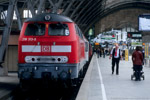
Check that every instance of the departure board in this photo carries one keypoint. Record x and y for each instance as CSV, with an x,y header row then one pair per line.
x,y
144,22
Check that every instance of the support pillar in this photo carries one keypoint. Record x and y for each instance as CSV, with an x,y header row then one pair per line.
x,y
40,6
18,17
5,36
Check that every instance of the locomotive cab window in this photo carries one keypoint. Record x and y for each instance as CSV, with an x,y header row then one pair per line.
x,y
58,29
35,29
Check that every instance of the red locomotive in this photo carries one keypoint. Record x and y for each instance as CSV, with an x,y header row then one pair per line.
x,y
51,46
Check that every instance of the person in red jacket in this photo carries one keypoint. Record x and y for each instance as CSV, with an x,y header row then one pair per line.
x,y
137,59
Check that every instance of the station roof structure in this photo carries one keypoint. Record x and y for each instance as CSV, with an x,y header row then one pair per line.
x,y
84,12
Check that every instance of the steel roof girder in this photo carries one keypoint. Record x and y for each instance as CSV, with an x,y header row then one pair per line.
x,y
35,3
18,18
54,10
76,9
39,10
92,13
51,2
89,11
30,7
93,17
82,10
96,14
68,8
1,8
96,17
110,7
55,5
7,29
59,3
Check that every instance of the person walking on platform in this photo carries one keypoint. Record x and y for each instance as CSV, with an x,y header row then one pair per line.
x,y
116,56
98,53
143,53
137,59
103,51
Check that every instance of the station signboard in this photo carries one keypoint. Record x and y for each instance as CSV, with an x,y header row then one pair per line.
x,y
134,35
107,38
136,43
144,22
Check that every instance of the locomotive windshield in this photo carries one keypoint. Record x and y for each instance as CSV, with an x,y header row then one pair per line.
x,y
58,29
35,29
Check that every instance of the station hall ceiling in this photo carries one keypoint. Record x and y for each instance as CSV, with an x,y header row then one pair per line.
x,y
84,12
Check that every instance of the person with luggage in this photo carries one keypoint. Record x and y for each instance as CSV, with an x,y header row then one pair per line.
x,y
137,59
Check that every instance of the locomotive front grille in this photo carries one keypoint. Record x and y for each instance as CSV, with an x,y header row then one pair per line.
x,y
46,59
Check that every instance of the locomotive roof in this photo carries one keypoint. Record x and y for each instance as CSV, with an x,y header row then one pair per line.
x,y
53,18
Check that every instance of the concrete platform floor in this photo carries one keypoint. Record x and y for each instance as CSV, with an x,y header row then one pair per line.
x,y
100,84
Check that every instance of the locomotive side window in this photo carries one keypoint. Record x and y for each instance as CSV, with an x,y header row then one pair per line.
x,y
86,46
58,29
35,29
79,32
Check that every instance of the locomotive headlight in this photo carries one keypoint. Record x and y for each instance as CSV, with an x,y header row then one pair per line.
x,y
65,59
62,59
28,59
66,32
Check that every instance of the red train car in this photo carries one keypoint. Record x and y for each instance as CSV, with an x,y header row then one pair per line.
x,y
51,46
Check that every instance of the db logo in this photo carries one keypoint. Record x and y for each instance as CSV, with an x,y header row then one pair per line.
x,y
45,48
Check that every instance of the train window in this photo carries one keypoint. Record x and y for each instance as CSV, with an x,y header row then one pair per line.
x,y
58,29
35,29
79,32
86,46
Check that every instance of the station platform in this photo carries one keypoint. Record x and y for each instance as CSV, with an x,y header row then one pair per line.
x,y
7,85
100,84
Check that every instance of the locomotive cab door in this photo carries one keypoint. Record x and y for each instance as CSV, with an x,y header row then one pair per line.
x,y
87,51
